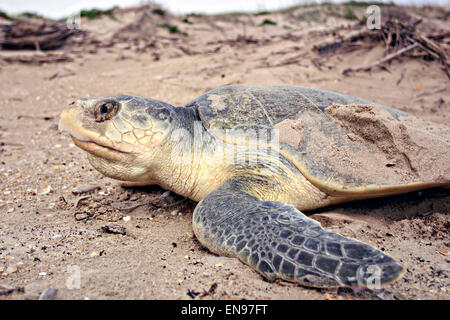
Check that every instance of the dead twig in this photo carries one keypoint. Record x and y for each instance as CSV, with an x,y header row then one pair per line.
x,y
317,63
7,289
170,205
402,75
381,61
132,208
86,189
439,88
77,202
114,228
37,59
437,105
46,118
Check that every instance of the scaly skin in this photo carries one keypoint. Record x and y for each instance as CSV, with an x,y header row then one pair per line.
x,y
248,194
187,160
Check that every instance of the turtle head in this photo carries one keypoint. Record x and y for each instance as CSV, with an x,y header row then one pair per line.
x,y
122,134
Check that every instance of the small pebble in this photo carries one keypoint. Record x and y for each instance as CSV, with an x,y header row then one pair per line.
x,y
46,191
11,269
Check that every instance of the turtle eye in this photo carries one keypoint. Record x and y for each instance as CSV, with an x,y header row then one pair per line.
x,y
106,110
103,109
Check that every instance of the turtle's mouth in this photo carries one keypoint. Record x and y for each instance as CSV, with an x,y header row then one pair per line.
x,y
88,140
97,149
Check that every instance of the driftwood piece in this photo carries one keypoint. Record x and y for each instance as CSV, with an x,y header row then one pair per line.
x,y
38,58
36,34
348,43
240,41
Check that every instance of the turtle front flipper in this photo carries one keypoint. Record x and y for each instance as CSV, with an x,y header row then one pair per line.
x,y
279,241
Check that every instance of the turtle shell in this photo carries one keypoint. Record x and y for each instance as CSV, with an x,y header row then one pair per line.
x,y
340,143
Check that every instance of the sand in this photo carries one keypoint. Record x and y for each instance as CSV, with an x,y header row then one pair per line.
x,y
392,151
50,237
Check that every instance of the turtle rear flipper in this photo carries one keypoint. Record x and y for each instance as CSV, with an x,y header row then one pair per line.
x,y
279,241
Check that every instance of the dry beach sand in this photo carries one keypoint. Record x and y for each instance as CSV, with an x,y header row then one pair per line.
x,y
137,243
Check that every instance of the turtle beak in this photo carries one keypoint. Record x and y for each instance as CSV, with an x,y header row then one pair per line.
x,y
70,121
78,125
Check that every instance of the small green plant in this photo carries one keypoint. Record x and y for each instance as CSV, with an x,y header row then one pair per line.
x,y
262,13
363,20
4,15
268,22
287,27
186,20
30,14
349,13
171,28
97,13
159,11
90,14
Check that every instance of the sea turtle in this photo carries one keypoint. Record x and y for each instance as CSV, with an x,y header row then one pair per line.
x,y
253,156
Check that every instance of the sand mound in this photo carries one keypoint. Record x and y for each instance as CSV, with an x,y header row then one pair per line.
x,y
402,149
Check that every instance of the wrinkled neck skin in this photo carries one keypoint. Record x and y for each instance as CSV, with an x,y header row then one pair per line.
x,y
181,161
192,162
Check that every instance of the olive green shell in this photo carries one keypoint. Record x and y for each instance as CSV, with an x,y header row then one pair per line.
x,y
327,153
